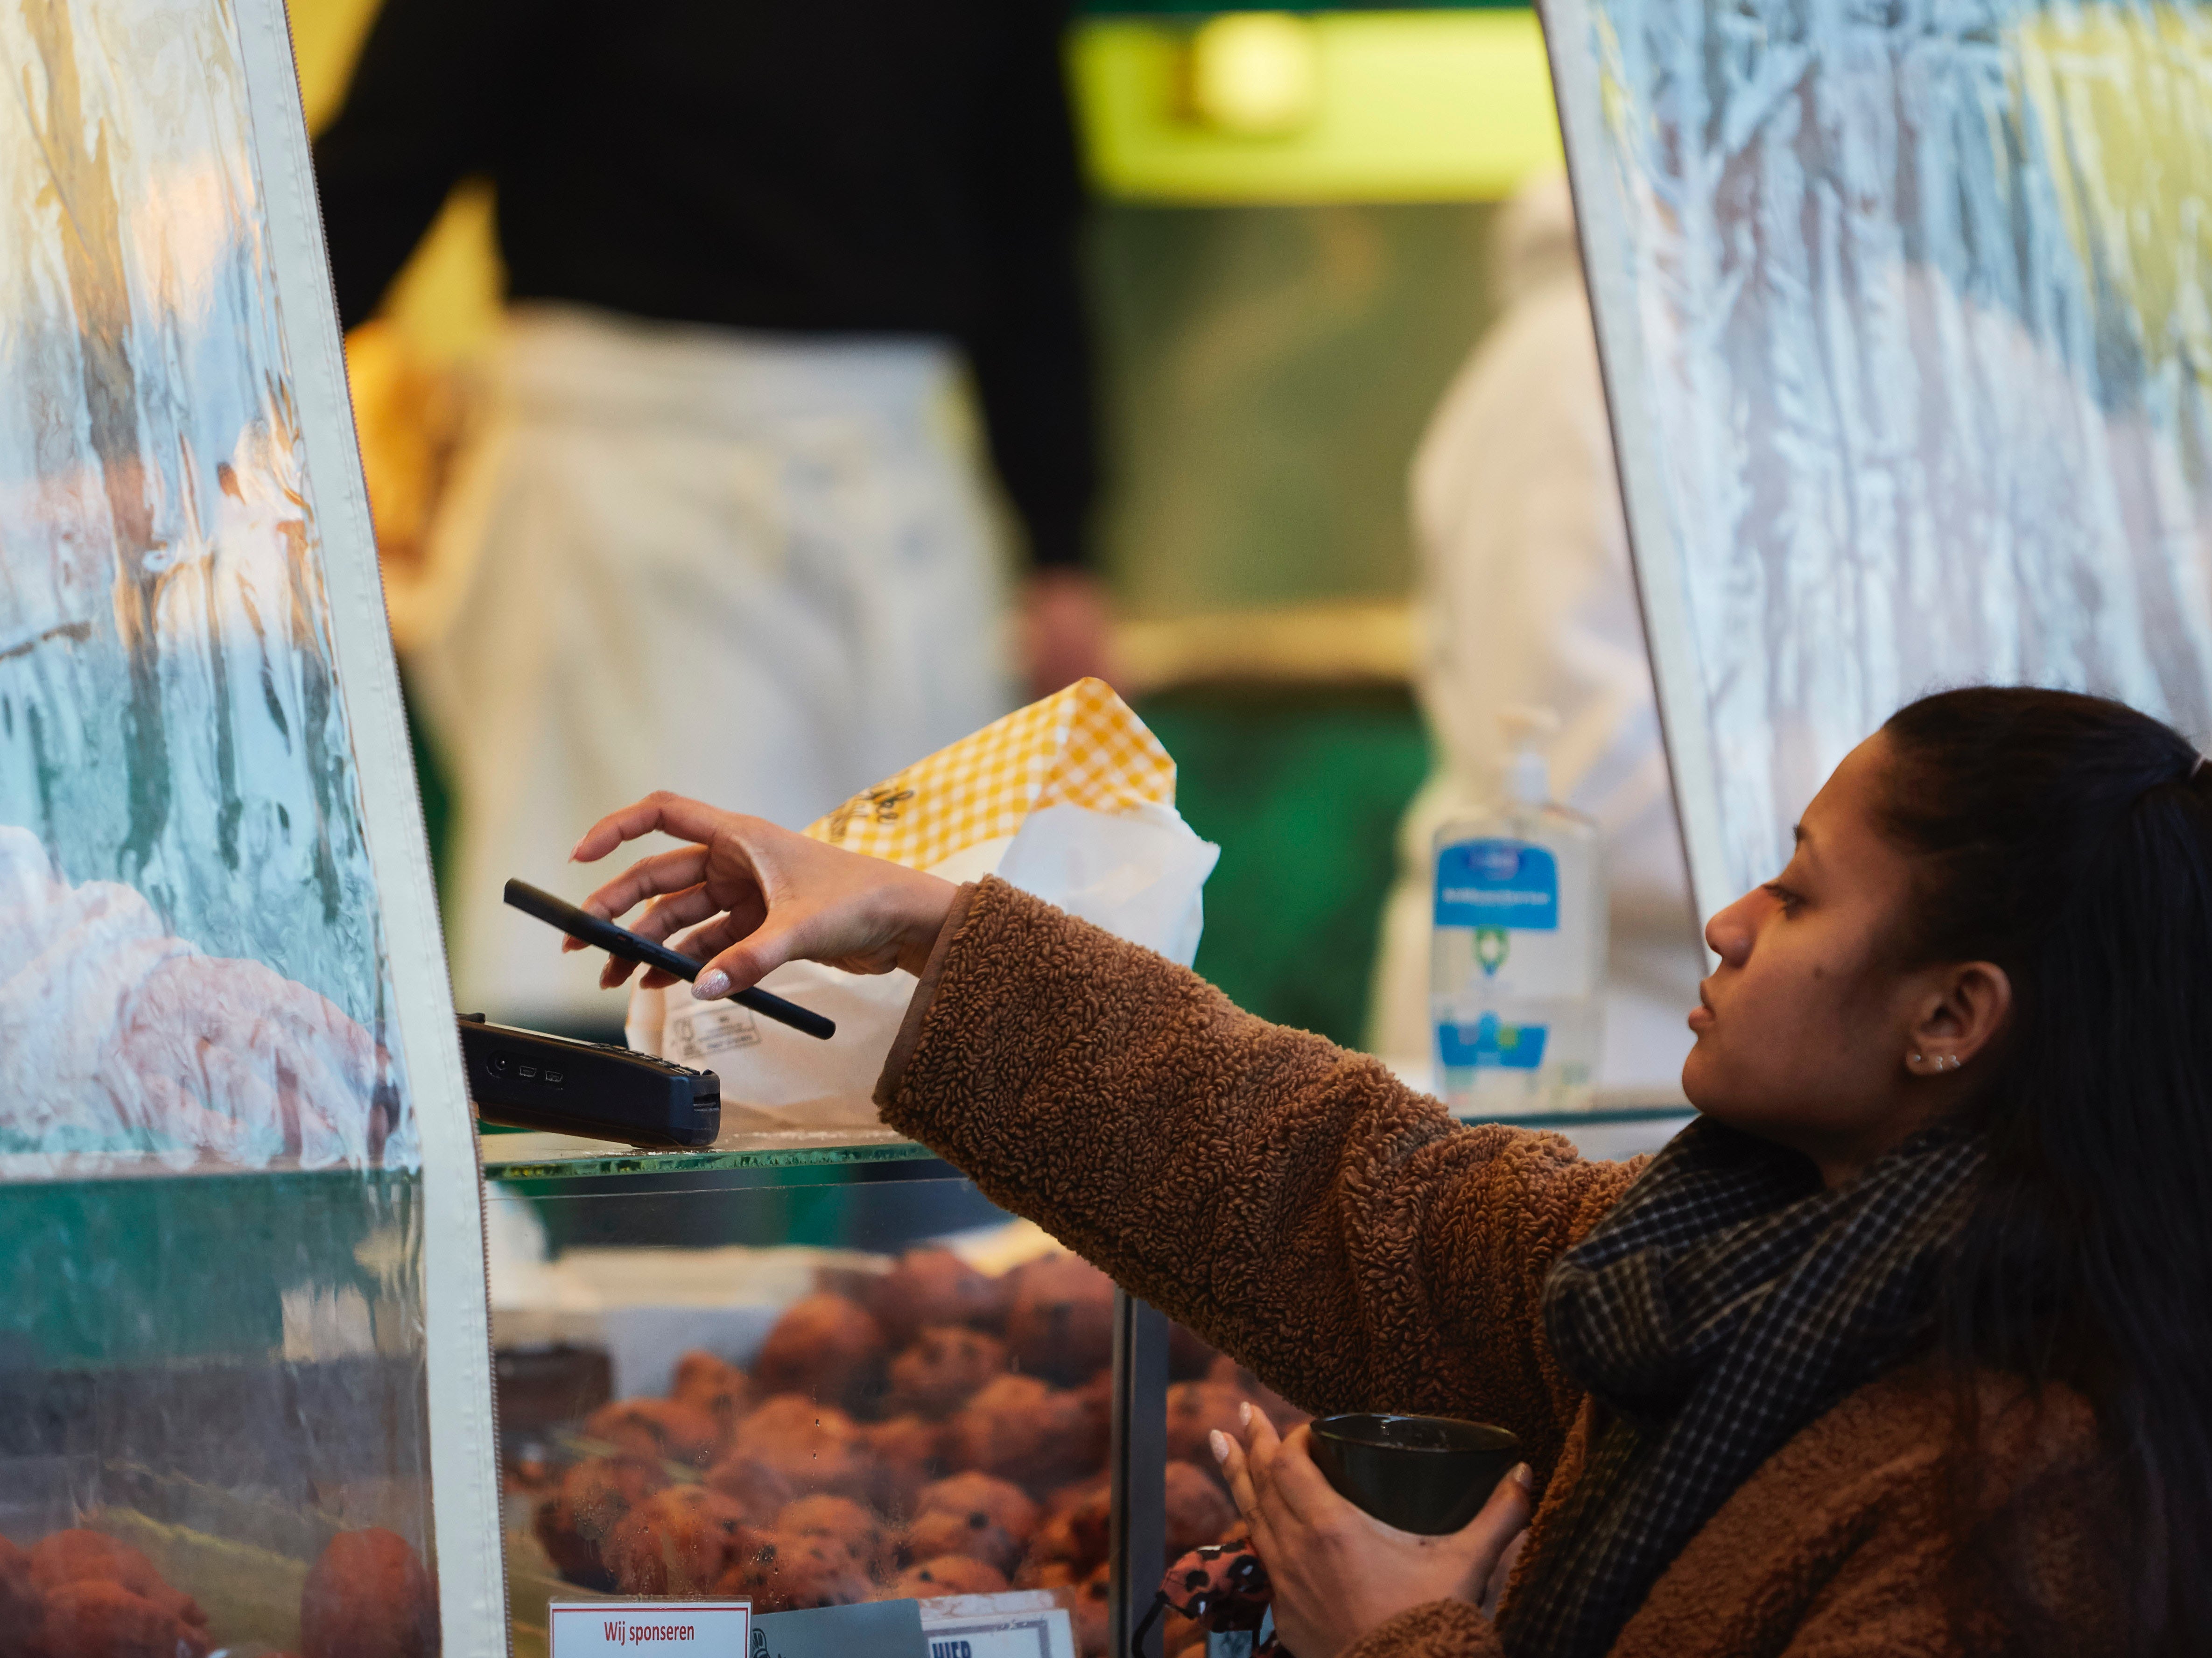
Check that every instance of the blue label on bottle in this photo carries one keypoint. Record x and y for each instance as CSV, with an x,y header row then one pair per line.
x,y
1488,1042
1505,884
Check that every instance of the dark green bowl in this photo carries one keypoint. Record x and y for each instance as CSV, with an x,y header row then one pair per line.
x,y
1429,1474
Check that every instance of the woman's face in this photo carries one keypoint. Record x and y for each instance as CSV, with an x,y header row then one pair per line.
x,y
1804,1028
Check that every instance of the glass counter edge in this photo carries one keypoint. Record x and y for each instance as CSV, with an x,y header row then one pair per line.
x,y
599,1164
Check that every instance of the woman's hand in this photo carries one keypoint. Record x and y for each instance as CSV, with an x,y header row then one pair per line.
x,y
757,897
1339,1573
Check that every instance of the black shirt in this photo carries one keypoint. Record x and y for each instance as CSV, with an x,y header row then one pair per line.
x,y
864,166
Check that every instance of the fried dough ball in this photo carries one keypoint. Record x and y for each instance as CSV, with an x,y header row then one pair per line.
x,y
933,1285
1066,1499
1047,1575
996,1501
1059,1320
785,1415
943,1367
971,1514
757,1486
1019,1429
908,1454
807,1448
850,1526
1073,1538
825,1348
595,1496
78,1555
1197,1510
99,1618
948,1573
929,1535
792,1573
368,1595
1086,1609
667,1429
714,1386
1069,1545
1196,1409
1091,1520
678,1541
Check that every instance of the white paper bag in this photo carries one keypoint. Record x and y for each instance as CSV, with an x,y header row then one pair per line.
x,y
1070,798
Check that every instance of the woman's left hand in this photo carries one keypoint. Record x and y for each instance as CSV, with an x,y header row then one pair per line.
x,y
1340,1573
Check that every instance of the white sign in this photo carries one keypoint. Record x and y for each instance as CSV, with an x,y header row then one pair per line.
x,y
708,1629
1044,1632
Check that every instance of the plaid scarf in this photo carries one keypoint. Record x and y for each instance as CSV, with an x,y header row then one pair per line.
x,y
1725,1303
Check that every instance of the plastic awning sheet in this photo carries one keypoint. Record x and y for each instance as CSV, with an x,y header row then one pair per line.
x,y
191,954
1904,320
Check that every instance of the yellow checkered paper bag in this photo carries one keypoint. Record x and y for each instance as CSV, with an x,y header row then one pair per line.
x,y
1080,747
1070,798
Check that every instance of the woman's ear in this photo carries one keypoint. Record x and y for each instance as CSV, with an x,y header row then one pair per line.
x,y
1968,1008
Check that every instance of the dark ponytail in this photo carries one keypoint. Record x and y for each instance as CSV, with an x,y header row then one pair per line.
x,y
2069,840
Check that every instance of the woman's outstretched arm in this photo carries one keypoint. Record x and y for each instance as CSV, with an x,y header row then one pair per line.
x,y
1290,1202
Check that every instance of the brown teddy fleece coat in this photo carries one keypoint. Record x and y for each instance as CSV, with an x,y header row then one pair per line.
x,y
1341,1235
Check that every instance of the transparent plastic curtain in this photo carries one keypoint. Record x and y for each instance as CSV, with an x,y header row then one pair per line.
x,y
1906,324
181,841
213,1308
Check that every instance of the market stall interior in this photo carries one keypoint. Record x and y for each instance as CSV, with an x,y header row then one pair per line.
x,y
293,1359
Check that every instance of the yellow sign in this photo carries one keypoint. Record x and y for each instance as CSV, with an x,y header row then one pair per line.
x,y
1343,107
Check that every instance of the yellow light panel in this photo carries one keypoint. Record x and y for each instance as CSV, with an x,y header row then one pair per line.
x,y
1404,107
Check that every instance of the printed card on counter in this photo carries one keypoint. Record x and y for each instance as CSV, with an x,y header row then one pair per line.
x,y
596,1629
1021,1624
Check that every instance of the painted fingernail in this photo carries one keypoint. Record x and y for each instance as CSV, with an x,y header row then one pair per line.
x,y
577,851
1524,1476
712,986
1244,1414
1219,1441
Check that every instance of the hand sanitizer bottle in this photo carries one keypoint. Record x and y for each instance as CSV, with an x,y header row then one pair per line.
x,y
1517,963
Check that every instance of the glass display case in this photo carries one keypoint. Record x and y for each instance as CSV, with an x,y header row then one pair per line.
x,y
818,1371
216,1417
822,1371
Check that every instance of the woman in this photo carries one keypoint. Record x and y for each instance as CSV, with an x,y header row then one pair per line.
x,y
1902,1347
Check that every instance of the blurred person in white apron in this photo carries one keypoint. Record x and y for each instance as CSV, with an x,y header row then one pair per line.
x,y
806,598
728,527
1527,597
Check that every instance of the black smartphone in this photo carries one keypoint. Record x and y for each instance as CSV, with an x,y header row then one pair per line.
x,y
621,941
